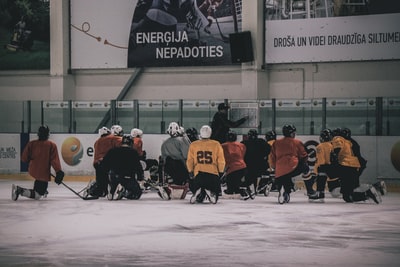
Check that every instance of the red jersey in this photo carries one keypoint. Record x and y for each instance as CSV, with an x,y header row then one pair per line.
x,y
234,156
103,145
286,154
138,145
41,156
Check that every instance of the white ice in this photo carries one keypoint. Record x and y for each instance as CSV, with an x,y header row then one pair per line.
x,y
63,230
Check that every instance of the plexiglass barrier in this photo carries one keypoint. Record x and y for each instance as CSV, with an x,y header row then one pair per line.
x,y
364,116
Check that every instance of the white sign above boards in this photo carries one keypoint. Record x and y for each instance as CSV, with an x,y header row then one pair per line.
x,y
239,110
354,38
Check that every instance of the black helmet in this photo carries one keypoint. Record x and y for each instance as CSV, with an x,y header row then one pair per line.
x,y
127,140
43,132
223,106
288,129
231,136
346,133
270,135
336,132
192,134
252,134
325,135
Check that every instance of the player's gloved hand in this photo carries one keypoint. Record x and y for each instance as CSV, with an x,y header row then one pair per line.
x,y
306,170
59,177
191,175
334,158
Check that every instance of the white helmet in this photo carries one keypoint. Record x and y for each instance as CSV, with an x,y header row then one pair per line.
x,y
205,132
135,132
173,129
181,131
104,130
140,133
117,130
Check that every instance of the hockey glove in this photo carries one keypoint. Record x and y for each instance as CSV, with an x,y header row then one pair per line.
x,y
334,157
191,175
59,177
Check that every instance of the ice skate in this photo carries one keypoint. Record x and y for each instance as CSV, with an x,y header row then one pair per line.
x,y
212,197
111,191
250,193
373,194
317,197
86,190
118,194
15,192
196,197
283,197
264,185
286,197
267,189
163,192
380,186
246,193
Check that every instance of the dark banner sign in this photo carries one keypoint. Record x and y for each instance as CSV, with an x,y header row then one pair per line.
x,y
152,32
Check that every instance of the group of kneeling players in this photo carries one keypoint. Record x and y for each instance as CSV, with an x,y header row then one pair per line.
x,y
193,161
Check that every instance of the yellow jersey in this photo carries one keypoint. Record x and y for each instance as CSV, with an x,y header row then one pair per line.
x,y
323,155
205,155
346,156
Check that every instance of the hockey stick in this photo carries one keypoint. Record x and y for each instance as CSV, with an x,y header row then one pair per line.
x,y
225,39
76,193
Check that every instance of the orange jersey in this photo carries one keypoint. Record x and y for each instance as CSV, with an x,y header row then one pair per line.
x,y
286,154
270,142
138,145
205,155
41,155
103,145
234,156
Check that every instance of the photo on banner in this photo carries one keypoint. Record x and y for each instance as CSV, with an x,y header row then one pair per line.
x,y
159,33
25,35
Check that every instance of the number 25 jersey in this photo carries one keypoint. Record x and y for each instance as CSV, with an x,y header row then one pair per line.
x,y
205,155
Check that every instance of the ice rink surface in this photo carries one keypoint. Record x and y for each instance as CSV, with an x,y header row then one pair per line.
x,y
63,230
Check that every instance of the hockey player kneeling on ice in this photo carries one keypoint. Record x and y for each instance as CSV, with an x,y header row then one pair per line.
x,y
234,153
175,175
174,154
124,168
103,144
205,163
256,157
289,159
41,155
348,167
322,167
